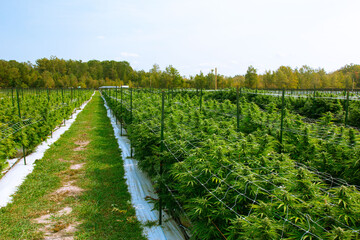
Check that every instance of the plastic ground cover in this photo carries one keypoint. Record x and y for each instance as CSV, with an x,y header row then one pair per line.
x,y
140,186
17,174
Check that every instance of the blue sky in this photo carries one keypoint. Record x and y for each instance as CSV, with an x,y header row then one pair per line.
x,y
191,35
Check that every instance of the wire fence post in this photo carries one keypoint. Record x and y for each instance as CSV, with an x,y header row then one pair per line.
x,y
18,103
121,111
347,108
237,110
282,117
161,150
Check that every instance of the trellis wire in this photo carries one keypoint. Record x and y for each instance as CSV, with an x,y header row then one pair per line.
x,y
325,176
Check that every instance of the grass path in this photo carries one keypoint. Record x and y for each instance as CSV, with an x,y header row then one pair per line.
x,y
78,190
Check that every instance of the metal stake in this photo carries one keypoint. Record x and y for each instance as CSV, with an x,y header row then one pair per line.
x,y
161,150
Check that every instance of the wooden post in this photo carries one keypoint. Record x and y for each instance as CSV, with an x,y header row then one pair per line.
x,y
215,78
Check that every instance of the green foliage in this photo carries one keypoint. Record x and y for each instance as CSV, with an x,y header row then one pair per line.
x,y
41,111
251,77
57,73
305,106
243,184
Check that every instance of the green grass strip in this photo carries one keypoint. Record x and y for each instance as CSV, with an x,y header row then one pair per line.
x,y
82,171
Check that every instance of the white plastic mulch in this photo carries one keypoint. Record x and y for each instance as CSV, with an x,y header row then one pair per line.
x,y
17,174
140,186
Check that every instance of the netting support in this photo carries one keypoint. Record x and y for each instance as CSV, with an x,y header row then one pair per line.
x,y
121,111
12,96
131,118
237,110
116,104
62,95
282,117
347,108
18,103
161,150
200,99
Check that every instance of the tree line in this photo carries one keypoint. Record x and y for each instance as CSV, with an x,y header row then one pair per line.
x,y
60,73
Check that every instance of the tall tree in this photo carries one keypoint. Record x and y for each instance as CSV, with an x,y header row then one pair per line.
x,y
251,77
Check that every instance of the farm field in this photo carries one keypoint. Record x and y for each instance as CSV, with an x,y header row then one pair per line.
x,y
77,190
28,116
312,104
180,120
236,170
225,164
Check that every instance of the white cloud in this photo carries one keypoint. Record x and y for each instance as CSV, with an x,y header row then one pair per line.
x,y
127,54
100,37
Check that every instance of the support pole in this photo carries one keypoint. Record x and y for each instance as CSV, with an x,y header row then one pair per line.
x,y
121,111
12,97
282,118
347,108
200,99
71,93
237,110
161,150
131,118
62,94
131,106
116,104
48,93
215,78
18,103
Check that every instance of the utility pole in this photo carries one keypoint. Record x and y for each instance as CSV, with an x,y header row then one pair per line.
x,y
215,78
